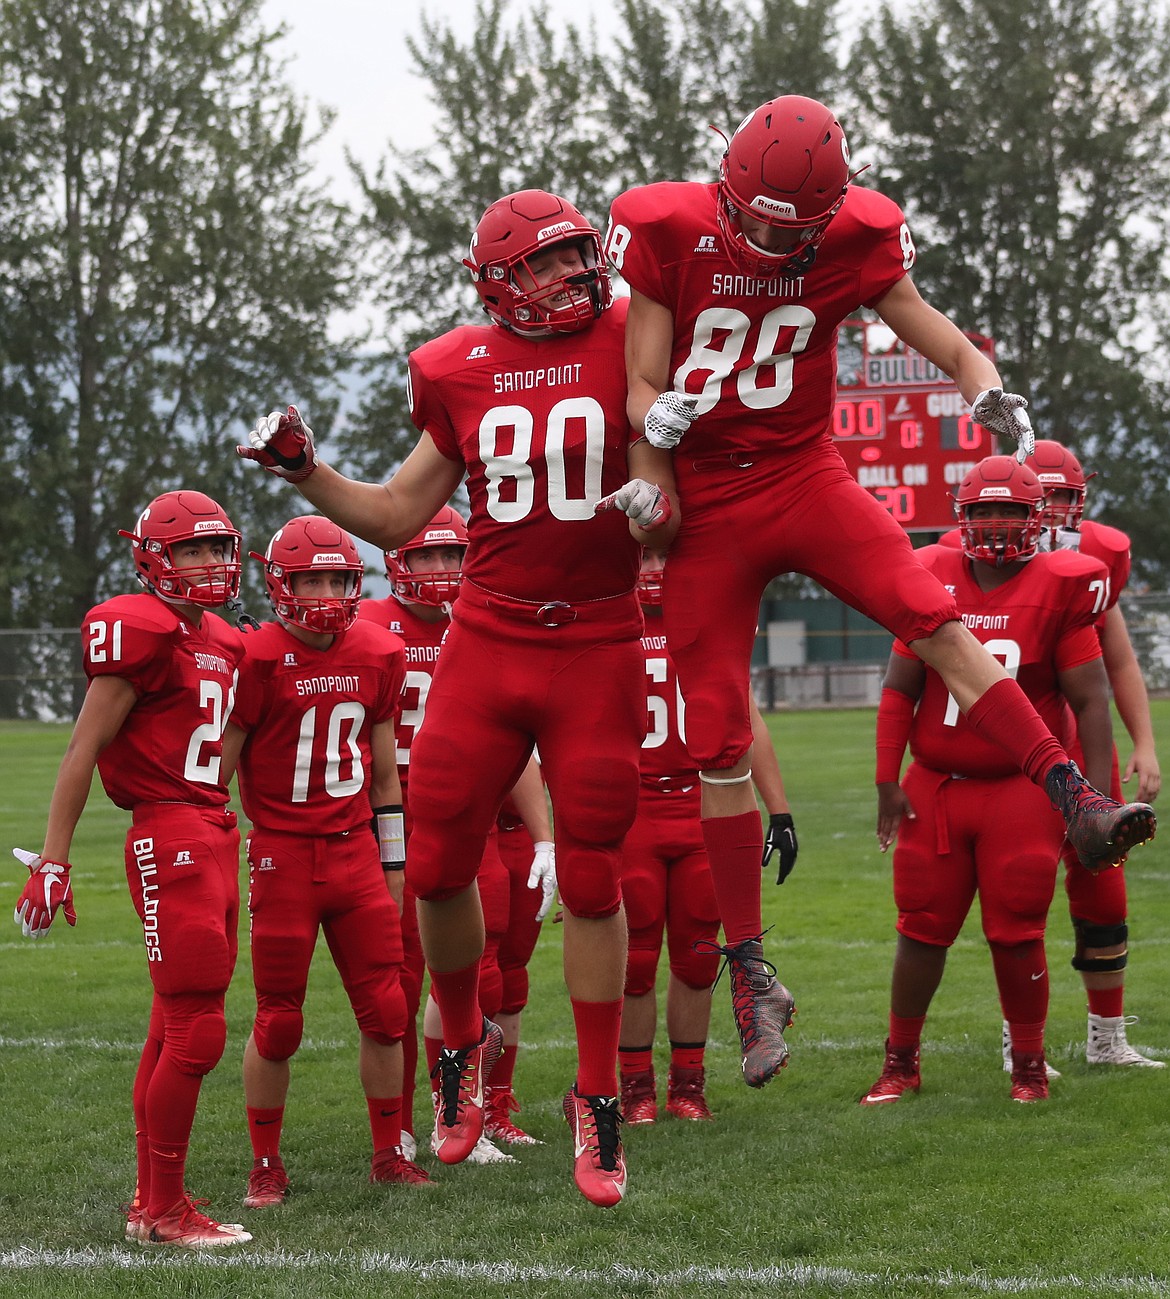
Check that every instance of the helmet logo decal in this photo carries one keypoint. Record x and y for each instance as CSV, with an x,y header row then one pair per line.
x,y
562,227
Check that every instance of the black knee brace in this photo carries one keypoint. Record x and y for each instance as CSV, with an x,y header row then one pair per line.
x,y
1089,936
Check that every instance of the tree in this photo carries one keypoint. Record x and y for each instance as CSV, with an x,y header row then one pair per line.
x,y
164,268
1028,141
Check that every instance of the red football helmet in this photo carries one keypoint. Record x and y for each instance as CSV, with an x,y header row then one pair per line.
x,y
311,543
786,165
1002,539
519,227
436,588
650,582
1059,470
182,516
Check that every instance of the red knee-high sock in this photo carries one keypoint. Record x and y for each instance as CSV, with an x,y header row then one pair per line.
x,y
1004,716
170,1113
735,848
906,1030
1021,974
456,992
599,1024
151,1050
1109,1003
264,1128
409,1070
505,1067
385,1121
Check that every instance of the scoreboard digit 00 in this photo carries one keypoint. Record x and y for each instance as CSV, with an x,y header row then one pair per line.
x,y
902,426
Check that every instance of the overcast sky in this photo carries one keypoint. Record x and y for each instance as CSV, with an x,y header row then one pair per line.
x,y
351,55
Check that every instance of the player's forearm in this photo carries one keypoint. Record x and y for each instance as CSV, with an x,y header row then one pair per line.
x,y
1095,731
365,509
531,804
70,794
1133,703
766,775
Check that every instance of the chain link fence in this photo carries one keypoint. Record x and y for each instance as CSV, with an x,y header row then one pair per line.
x,y
41,677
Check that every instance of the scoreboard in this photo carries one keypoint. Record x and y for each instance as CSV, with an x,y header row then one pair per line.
x,y
902,426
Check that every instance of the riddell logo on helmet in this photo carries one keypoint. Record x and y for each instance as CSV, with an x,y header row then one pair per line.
x,y
434,535
994,491
330,561
209,525
1052,478
562,227
772,207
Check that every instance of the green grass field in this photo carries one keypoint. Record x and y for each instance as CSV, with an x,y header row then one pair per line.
x,y
794,1190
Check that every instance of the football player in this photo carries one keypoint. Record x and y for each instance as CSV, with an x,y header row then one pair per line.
x,y
312,740
425,573
162,669
965,819
1097,902
666,885
543,647
737,290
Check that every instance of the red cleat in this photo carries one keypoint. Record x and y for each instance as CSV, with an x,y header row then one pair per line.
x,y
639,1098
899,1075
459,1100
685,1097
391,1167
500,1104
184,1226
599,1166
267,1183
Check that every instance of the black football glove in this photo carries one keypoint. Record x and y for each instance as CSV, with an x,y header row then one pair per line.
x,y
781,838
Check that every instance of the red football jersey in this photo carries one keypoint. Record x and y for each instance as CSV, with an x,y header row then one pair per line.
x,y
305,766
1097,540
170,746
760,354
541,426
422,641
664,750
1038,624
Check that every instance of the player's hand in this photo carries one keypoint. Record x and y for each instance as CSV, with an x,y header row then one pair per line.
x,y
1143,763
781,838
48,888
1006,413
283,444
643,503
669,418
893,805
543,875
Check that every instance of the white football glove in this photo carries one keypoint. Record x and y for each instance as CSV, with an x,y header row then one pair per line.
x,y
645,504
283,444
669,418
1005,413
48,889
543,875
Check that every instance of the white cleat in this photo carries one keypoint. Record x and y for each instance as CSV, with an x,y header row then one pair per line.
x,y
483,1152
1107,1044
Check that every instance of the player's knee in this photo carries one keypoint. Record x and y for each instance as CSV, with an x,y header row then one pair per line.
x,y
514,990
277,1031
695,970
589,884
196,1043
381,1012
603,805
1091,937
641,969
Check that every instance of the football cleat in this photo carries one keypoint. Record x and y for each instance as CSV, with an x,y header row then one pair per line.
x,y
1107,1044
599,1166
136,1231
685,1097
639,1098
483,1152
499,1105
763,1009
267,1183
459,1100
1007,1054
1101,829
409,1144
184,1226
390,1167
1029,1079
899,1075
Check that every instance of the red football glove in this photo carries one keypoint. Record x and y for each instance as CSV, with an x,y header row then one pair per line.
x,y
47,889
282,444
